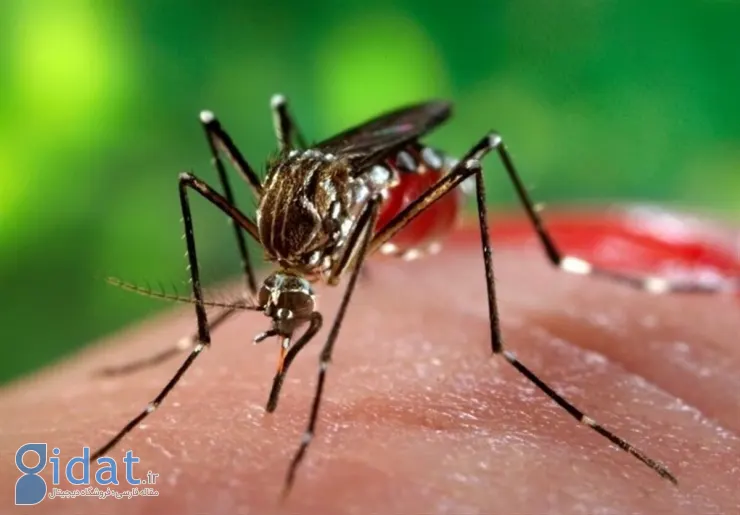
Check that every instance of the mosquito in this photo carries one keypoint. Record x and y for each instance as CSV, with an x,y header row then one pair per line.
x,y
324,208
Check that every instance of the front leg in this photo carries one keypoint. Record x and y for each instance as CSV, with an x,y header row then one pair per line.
x,y
203,338
218,139
358,245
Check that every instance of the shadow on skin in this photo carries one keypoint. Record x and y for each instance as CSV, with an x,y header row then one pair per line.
x,y
417,418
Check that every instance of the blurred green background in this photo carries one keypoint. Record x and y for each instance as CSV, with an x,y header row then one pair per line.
x,y
99,103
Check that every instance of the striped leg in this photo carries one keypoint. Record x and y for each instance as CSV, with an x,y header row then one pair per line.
x,y
357,249
286,130
187,181
217,139
470,166
187,343
575,265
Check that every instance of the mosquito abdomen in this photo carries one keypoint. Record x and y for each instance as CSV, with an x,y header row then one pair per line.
x,y
418,168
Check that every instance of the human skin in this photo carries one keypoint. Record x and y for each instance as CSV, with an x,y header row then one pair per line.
x,y
418,417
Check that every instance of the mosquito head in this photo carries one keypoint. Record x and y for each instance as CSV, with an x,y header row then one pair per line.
x,y
288,300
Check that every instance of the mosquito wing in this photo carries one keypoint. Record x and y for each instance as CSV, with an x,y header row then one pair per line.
x,y
374,139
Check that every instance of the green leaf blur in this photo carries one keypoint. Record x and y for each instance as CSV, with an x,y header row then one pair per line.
x,y
599,101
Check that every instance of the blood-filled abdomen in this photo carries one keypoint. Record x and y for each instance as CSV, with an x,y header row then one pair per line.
x,y
418,168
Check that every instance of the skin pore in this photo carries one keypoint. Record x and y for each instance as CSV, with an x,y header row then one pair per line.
x,y
417,416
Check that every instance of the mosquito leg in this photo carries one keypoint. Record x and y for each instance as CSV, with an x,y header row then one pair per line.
x,y
214,134
186,181
220,139
349,256
203,336
186,343
359,243
575,265
277,383
189,342
471,166
152,406
562,261
191,181
216,137
286,130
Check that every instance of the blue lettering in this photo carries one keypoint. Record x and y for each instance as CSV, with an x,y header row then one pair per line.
x,y
83,460
30,488
129,459
55,465
110,468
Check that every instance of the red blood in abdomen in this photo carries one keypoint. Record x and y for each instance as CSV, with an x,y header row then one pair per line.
x,y
429,226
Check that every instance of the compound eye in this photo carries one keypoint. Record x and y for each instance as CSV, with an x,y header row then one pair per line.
x,y
263,296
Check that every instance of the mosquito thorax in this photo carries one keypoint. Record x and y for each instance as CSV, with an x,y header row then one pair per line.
x,y
310,202
287,299
305,211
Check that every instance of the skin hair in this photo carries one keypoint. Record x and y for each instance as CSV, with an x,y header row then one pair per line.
x,y
417,417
